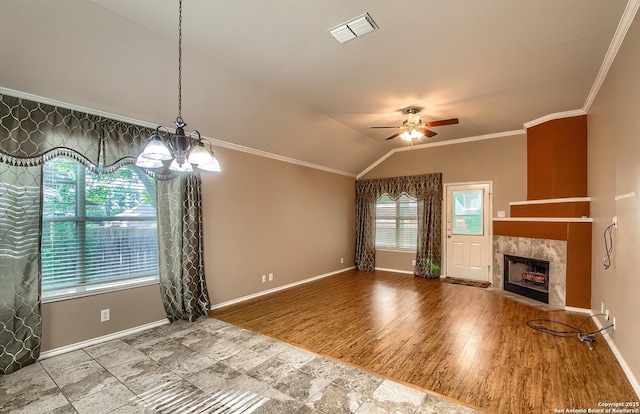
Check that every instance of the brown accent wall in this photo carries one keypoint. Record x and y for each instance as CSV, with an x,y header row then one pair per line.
x,y
553,230
579,265
557,159
571,209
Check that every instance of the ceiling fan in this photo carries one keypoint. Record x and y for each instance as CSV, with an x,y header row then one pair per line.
x,y
414,128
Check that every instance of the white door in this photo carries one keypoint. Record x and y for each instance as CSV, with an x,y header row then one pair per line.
x,y
468,231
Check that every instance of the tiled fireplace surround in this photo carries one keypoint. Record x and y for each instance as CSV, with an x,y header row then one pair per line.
x,y
553,251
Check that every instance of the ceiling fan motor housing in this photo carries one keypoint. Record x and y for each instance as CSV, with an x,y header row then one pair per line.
x,y
413,119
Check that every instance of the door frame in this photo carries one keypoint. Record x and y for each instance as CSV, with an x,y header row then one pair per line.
x,y
445,210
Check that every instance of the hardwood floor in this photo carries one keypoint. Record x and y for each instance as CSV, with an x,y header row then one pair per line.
x,y
463,342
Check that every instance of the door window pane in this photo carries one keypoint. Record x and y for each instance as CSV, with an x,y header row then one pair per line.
x,y
467,212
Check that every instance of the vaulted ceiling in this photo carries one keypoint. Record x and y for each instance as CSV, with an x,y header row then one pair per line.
x,y
267,74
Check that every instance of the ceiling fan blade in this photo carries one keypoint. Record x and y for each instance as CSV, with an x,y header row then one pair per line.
x,y
427,132
451,121
378,127
393,136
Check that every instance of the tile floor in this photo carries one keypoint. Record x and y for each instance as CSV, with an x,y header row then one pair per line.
x,y
205,367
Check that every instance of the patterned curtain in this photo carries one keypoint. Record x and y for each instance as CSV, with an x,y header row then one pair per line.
x,y
427,189
32,133
182,279
20,324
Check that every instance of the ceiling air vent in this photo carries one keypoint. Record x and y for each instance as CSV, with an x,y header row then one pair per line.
x,y
353,28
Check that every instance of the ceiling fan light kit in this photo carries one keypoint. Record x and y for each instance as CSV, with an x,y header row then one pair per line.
x,y
414,128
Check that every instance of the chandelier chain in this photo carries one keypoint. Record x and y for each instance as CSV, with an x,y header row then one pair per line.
x,y
180,62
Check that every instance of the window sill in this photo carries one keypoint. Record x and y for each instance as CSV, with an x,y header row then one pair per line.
x,y
101,289
396,250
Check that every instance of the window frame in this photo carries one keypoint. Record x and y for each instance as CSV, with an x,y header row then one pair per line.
x,y
81,220
398,218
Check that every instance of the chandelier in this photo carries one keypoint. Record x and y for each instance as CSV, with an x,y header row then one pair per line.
x,y
184,149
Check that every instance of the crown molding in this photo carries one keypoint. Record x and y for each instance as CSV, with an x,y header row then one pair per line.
x,y
213,141
621,31
441,144
556,115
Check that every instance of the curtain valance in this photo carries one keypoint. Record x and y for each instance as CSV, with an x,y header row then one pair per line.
x,y
418,186
32,133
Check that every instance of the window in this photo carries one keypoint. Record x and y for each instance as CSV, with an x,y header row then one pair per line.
x,y
98,230
396,222
467,212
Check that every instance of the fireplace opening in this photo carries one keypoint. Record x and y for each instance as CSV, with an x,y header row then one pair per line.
x,y
527,277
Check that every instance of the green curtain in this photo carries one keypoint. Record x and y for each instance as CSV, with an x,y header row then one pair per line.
x,y
32,133
182,280
20,318
427,189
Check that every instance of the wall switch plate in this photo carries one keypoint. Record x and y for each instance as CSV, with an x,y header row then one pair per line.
x,y
264,278
270,277
105,315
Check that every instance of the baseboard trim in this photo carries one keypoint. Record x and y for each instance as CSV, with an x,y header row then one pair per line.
x,y
383,269
100,339
632,379
277,289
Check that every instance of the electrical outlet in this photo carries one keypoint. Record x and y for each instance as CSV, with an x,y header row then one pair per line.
x,y
615,222
413,262
264,278
601,307
342,260
104,315
614,323
606,314
270,277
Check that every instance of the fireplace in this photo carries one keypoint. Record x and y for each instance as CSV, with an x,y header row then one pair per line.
x,y
527,277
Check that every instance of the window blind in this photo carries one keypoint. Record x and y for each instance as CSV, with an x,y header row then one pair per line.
x,y
98,230
396,222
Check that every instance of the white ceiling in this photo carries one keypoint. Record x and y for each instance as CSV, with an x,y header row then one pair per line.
x,y
266,74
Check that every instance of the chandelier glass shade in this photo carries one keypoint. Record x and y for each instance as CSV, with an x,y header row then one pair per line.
x,y
184,150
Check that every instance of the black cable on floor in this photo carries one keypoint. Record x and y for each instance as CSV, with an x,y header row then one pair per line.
x,y
544,326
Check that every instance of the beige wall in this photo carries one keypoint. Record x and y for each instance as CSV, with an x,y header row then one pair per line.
x,y
614,170
71,321
501,160
264,216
